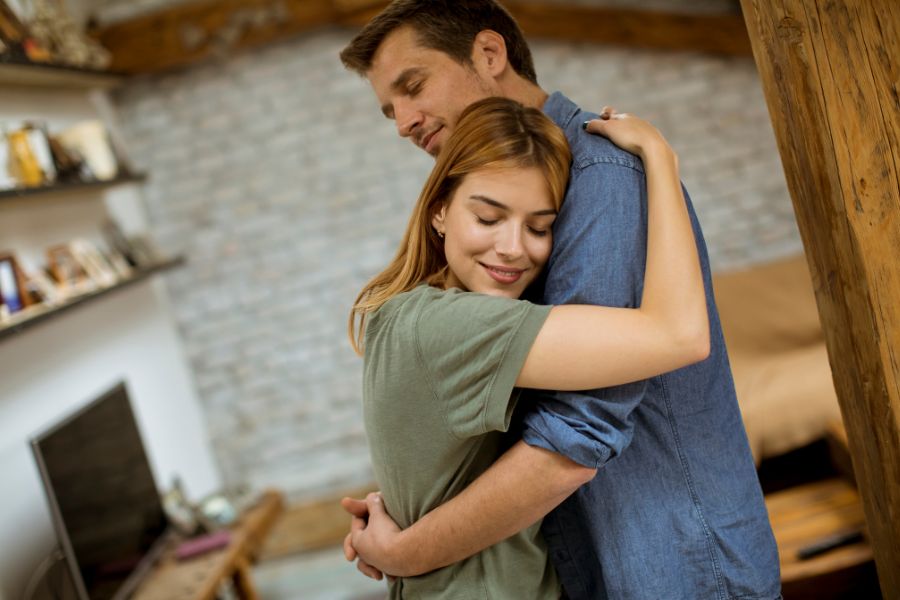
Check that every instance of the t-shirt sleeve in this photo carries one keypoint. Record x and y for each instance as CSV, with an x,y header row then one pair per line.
x,y
472,348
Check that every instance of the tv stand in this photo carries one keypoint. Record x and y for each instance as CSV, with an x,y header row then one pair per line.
x,y
199,578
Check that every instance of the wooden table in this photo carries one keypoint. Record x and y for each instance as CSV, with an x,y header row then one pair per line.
x,y
199,578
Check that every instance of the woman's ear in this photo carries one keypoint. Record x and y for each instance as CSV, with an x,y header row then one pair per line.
x,y
437,219
489,52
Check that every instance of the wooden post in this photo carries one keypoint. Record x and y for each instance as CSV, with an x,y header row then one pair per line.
x,y
831,74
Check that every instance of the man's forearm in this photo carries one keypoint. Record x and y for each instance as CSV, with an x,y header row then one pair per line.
x,y
521,487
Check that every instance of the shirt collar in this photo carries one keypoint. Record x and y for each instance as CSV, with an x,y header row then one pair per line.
x,y
560,109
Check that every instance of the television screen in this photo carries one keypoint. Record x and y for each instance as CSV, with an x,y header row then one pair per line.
x,y
106,507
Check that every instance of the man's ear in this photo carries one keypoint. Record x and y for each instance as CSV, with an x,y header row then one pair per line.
x,y
437,219
489,52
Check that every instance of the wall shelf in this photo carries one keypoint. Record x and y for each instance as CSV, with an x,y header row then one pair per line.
x,y
38,75
28,317
56,188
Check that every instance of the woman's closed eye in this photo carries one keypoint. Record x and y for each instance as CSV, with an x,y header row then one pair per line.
x,y
535,231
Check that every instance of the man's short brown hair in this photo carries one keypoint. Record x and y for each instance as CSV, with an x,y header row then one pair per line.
x,y
449,26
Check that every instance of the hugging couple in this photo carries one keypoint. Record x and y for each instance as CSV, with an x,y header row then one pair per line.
x,y
547,395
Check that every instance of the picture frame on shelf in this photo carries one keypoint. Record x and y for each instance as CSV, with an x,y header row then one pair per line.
x,y
67,271
13,286
43,289
118,263
93,262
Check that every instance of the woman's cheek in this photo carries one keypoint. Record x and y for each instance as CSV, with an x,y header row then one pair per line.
x,y
546,247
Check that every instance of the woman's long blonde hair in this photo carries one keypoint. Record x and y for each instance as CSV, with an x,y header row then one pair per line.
x,y
491,133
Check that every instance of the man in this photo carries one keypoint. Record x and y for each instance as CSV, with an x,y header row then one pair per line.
x,y
670,506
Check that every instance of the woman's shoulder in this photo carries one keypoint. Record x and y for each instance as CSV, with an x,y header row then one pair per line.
x,y
402,309
413,299
425,295
434,306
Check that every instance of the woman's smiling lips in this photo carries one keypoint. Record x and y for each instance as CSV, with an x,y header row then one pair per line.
x,y
505,275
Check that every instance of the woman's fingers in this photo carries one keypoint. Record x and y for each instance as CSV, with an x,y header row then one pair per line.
x,y
595,126
628,132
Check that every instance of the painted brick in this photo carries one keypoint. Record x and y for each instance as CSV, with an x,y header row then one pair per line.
x,y
274,171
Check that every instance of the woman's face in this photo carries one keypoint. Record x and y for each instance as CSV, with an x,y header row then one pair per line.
x,y
497,230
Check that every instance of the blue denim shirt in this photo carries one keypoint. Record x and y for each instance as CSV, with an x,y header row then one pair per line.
x,y
675,511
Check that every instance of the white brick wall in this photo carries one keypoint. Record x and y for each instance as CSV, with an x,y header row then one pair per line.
x,y
274,172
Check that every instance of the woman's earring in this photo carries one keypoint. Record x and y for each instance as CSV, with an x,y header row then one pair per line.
x,y
440,234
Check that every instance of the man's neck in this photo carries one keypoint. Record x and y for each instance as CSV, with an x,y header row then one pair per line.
x,y
524,92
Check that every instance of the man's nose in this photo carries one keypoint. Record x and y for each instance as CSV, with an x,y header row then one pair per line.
x,y
408,119
509,241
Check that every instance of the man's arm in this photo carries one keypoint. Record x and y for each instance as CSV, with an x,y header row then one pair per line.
x,y
521,487
598,258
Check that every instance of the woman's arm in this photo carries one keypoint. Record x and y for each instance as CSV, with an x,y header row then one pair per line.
x,y
587,347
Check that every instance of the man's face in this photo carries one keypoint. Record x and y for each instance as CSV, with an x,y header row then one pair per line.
x,y
423,90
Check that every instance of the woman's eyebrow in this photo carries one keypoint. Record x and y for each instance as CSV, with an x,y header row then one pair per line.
x,y
501,206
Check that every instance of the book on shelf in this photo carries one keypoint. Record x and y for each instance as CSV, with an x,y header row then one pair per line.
x,y
31,156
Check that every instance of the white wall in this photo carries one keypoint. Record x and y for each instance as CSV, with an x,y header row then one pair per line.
x,y
50,370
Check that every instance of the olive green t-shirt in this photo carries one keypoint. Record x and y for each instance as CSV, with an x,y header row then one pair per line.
x,y
438,391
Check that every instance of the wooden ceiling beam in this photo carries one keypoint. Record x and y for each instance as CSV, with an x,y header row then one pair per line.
x,y
184,35
717,34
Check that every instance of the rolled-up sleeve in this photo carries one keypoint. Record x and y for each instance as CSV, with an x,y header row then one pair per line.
x,y
598,258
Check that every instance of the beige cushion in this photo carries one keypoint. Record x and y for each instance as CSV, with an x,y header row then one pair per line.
x,y
778,356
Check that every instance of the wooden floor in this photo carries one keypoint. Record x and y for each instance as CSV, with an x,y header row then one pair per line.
x,y
822,504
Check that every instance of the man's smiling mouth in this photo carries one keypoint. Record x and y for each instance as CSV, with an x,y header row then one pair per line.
x,y
425,143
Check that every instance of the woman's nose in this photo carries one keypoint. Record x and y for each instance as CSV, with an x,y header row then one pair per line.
x,y
509,241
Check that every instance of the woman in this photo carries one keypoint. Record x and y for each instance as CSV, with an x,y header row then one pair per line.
x,y
447,342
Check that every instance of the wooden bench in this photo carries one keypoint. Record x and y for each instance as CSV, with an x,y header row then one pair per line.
x,y
199,578
805,515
